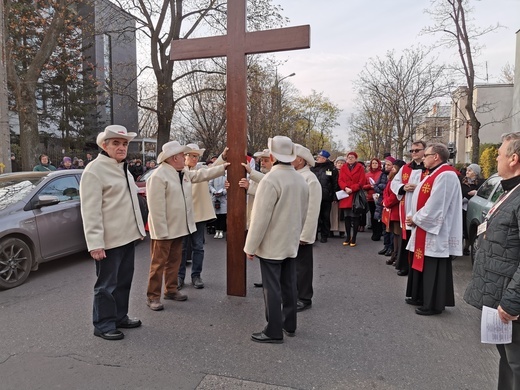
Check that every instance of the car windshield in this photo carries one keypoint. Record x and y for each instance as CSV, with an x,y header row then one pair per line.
x,y
14,189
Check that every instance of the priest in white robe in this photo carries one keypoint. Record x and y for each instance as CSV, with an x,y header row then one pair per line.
x,y
436,221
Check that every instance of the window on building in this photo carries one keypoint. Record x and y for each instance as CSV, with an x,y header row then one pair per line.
x,y
107,67
437,132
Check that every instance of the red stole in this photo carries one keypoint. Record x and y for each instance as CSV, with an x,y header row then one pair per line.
x,y
405,177
420,234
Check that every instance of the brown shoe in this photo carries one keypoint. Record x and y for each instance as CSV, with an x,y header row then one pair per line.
x,y
175,296
155,304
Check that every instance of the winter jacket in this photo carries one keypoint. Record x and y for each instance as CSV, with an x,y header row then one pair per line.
x,y
379,189
496,272
327,175
352,178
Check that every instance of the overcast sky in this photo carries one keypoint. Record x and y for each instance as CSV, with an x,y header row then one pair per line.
x,y
345,34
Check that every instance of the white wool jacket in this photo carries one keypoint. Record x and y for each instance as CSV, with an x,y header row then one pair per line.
x,y
310,227
170,201
279,213
109,208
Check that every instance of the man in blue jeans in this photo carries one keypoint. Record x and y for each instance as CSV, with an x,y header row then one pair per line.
x,y
203,212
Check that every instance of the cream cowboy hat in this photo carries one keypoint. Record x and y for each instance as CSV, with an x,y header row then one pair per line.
x,y
282,148
114,131
171,149
194,148
263,153
303,152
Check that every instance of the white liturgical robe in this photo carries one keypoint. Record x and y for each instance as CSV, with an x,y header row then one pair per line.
x,y
440,218
397,183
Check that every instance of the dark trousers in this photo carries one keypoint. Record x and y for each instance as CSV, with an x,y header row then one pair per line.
x,y
403,259
304,272
279,281
351,225
324,219
509,366
220,223
377,226
112,289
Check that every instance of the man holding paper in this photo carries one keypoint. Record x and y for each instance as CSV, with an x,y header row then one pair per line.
x,y
496,272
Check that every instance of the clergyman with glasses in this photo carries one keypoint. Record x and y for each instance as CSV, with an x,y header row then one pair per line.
x,y
403,186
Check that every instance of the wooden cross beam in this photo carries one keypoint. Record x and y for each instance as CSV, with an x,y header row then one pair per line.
x,y
235,46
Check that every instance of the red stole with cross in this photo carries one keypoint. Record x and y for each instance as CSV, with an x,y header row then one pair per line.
x,y
405,177
420,234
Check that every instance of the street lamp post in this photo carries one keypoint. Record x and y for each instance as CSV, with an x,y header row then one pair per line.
x,y
278,89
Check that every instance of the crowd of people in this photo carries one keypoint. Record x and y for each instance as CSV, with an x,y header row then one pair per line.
x,y
294,199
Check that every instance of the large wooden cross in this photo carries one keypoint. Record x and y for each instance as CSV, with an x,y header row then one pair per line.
x,y
236,45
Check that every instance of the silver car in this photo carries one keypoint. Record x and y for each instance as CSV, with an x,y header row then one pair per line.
x,y
478,207
40,220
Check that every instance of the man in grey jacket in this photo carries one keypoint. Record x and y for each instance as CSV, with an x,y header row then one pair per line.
x,y
496,272
277,220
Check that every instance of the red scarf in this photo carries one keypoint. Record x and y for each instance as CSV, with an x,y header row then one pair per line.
x,y
405,177
420,234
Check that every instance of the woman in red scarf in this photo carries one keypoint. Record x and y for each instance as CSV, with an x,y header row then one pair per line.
x,y
351,179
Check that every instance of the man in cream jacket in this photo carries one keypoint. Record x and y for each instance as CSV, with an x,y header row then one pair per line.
x,y
171,218
305,259
112,222
277,220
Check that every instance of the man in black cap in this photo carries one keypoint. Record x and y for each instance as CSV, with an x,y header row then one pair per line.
x,y
328,177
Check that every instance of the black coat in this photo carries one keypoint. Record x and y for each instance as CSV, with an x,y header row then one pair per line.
x,y
327,175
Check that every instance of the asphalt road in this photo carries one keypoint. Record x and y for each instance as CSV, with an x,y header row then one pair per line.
x,y
359,333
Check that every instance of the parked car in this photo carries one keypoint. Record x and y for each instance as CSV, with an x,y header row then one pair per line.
x,y
141,182
40,220
478,207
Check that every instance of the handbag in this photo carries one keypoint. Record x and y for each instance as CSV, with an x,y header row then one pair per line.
x,y
360,204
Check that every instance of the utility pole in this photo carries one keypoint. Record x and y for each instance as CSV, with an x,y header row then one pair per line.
x,y
5,139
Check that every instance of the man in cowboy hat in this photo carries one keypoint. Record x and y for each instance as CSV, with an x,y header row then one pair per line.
x,y
112,223
203,211
305,260
277,221
171,218
251,184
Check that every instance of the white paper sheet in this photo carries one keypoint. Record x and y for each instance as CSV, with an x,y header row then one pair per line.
x,y
492,330
341,194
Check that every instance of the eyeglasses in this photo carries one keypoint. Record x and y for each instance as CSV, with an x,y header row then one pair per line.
x,y
429,154
415,150
192,155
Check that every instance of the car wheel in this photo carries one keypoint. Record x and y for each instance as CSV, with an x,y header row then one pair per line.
x,y
15,262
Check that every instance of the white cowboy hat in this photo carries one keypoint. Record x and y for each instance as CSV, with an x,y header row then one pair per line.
x,y
282,148
263,153
194,148
171,149
303,152
114,131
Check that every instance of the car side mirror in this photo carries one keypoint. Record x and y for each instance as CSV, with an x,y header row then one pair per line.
x,y
46,200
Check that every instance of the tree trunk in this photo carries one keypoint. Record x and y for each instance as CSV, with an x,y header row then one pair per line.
x,y
28,117
165,108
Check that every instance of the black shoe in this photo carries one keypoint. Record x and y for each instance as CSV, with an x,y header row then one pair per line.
x,y
375,238
402,273
180,284
110,335
301,306
413,302
289,334
382,251
129,323
197,282
423,311
466,252
323,239
388,253
258,284
341,234
261,337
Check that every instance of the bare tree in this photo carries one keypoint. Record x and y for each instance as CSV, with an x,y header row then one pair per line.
x,y
401,87
452,21
26,57
508,74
